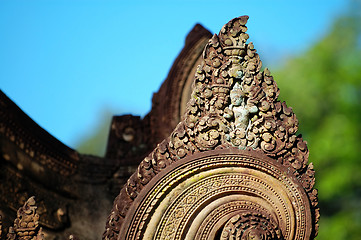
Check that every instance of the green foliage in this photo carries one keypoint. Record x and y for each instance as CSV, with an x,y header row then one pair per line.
x,y
95,143
323,86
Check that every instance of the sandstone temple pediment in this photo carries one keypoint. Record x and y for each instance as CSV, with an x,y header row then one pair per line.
x,y
217,157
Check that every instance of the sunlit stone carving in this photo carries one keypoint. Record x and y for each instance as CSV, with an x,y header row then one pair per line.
x,y
232,168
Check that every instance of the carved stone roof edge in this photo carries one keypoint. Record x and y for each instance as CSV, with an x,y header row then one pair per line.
x,y
166,102
35,130
40,146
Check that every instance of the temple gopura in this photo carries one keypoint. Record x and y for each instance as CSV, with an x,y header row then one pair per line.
x,y
217,157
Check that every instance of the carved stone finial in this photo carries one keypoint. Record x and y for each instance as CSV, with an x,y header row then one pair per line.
x,y
26,225
234,106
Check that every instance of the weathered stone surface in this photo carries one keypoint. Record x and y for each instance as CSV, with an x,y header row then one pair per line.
x,y
232,166
203,195
75,191
254,121
26,225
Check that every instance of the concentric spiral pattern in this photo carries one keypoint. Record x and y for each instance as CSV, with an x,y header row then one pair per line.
x,y
189,188
221,194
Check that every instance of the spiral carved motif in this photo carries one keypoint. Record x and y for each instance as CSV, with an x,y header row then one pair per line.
x,y
200,197
234,105
238,227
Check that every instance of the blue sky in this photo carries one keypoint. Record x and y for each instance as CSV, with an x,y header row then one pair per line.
x,y
65,62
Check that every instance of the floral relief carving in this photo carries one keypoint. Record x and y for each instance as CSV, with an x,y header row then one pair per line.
x,y
250,226
233,105
195,197
26,225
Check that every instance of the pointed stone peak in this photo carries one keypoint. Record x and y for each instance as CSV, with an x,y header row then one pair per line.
x,y
234,105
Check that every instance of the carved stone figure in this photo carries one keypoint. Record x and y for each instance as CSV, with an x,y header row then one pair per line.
x,y
238,109
232,168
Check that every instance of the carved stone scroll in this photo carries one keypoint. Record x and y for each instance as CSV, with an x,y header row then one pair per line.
x,y
261,186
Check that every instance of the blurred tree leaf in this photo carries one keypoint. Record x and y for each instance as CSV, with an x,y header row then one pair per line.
x,y
95,143
323,85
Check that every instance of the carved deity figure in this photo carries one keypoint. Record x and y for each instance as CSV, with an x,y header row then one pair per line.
x,y
238,109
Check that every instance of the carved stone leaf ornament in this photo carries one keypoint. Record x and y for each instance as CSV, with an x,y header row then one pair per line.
x,y
26,225
233,168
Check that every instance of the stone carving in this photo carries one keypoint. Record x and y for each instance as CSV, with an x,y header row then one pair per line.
x,y
238,228
26,225
256,122
232,168
65,182
33,144
238,111
168,105
195,197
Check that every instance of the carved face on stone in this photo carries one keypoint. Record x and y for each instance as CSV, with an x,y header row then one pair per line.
x,y
236,98
201,187
237,95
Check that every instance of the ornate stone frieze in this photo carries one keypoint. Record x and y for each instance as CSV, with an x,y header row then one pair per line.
x,y
50,206
233,106
35,143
